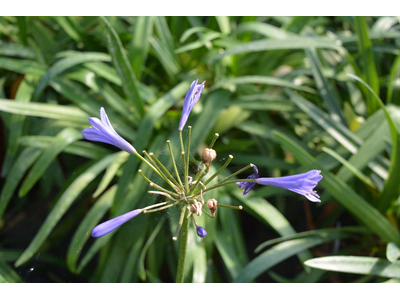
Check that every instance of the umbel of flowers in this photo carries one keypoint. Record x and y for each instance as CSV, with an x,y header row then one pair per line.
x,y
190,193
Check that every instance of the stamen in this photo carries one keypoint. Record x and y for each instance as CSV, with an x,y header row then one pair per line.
x,y
230,206
216,135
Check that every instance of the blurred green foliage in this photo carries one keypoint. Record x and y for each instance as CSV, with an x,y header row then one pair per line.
x,y
279,94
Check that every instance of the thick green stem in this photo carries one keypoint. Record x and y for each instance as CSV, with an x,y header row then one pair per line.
x,y
180,276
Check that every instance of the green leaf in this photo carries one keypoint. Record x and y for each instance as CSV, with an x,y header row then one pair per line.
x,y
110,173
62,140
24,161
22,66
223,23
367,55
262,80
120,60
63,204
325,91
228,254
84,149
139,47
334,233
7,274
357,265
392,252
350,167
393,84
65,64
141,269
275,255
349,199
290,43
17,122
82,234
52,111
391,189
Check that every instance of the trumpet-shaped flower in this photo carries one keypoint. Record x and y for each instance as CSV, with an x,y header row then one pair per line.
x,y
102,131
248,186
302,184
110,225
191,98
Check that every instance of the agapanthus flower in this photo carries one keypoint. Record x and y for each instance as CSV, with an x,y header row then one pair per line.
x,y
302,184
102,131
110,225
191,98
201,232
248,186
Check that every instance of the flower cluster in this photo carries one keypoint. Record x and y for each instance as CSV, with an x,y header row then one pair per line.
x,y
189,193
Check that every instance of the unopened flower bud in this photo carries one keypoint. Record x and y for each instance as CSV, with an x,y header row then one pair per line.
x,y
212,206
208,156
201,232
196,208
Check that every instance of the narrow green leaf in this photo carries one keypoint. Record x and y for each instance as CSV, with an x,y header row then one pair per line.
x,y
262,80
63,203
7,274
391,189
228,254
123,66
393,89
275,255
325,91
349,199
357,265
91,219
141,269
349,166
65,64
290,43
24,161
139,47
223,23
110,173
52,111
367,55
62,140
22,66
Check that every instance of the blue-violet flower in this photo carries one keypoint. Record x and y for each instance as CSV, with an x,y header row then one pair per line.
x,y
110,225
248,186
102,131
191,98
302,184
201,232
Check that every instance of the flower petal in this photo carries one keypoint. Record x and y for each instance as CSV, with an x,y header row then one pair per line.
x,y
110,225
190,100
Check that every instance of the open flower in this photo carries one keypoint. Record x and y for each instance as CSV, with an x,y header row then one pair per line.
x,y
302,184
191,98
248,186
110,225
102,131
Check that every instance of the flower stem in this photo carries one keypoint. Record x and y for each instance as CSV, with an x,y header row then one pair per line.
x,y
219,171
180,276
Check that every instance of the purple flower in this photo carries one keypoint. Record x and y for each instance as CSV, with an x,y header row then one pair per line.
x,y
110,225
248,186
192,96
302,184
201,232
102,131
